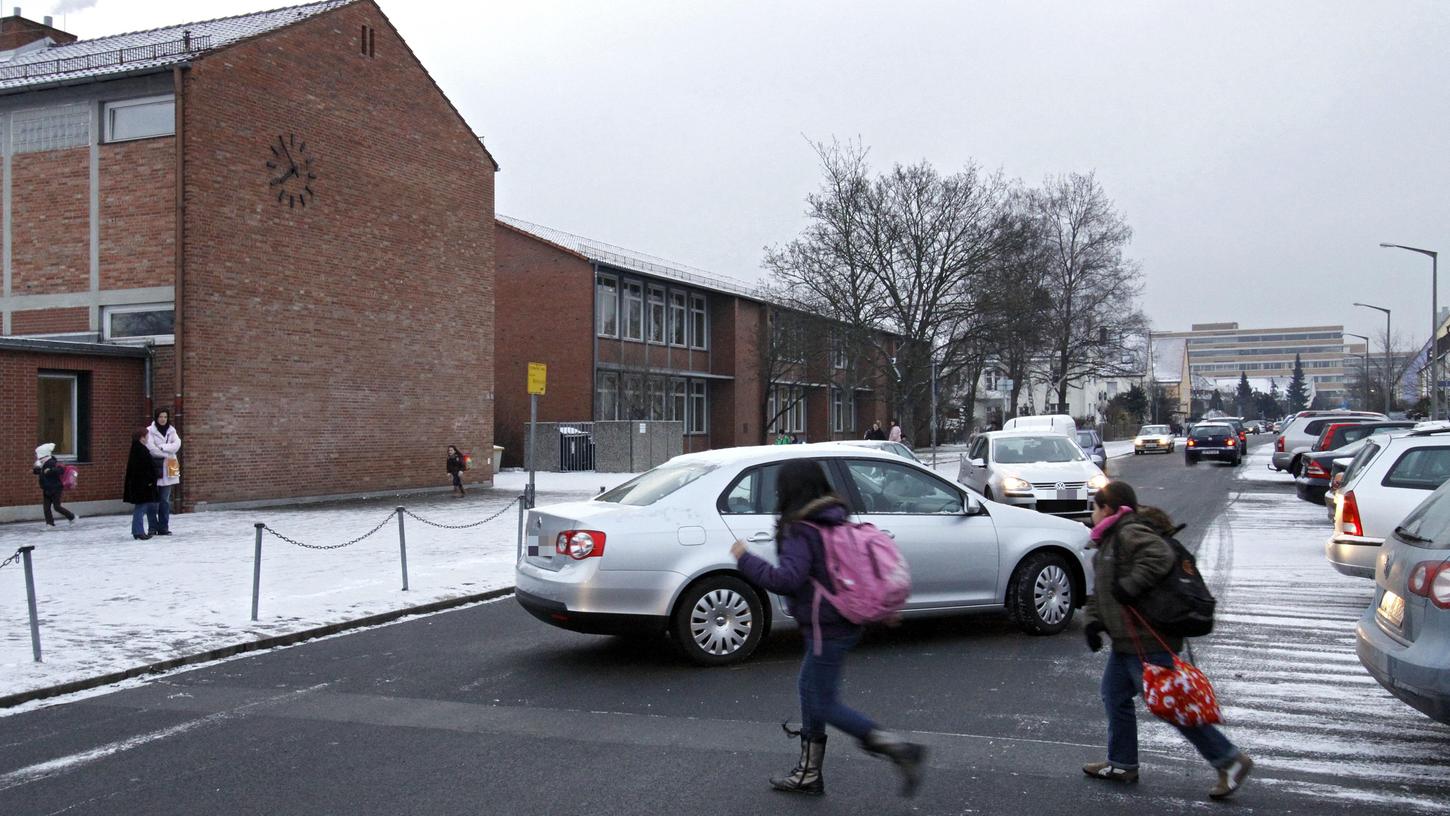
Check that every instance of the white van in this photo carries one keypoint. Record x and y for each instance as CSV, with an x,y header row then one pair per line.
x,y
1059,423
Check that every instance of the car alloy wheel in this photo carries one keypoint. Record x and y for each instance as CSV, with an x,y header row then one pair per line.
x,y
718,621
1043,595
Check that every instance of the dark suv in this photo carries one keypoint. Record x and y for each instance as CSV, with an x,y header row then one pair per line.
x,y
1213,440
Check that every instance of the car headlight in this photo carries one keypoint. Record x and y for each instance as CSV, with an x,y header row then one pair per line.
x,y
1015,484
1138,442
1098,481
1163,440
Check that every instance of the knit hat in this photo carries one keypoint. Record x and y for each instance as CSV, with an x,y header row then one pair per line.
x,y
44,451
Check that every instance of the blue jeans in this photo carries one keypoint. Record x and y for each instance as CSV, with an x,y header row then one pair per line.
x,y
1122,681
820,686
146,511
163,509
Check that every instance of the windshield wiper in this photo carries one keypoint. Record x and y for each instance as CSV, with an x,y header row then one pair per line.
x,y
1412,537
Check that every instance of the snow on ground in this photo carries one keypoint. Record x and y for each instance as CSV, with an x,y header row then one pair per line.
x,y
1282,658
1256,468
108,602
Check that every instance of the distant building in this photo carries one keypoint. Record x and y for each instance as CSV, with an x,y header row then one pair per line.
x,y
1212,356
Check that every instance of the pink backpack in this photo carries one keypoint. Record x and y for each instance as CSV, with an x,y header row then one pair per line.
x,y
69,476
870,575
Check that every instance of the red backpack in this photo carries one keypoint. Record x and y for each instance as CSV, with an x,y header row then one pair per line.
x,y
69,476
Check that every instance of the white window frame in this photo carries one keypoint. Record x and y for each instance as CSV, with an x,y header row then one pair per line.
x,y
793,420
632,299
838,409
679,309
75,414
157,339
699,402
699,329
608,384
109,126
602,281
658,329
838,353
658,399
679,397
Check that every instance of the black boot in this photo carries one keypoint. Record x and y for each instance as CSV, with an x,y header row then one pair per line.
x,y
806,776
907,756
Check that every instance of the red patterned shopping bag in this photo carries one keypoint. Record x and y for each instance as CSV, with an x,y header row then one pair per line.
x,y
1179,694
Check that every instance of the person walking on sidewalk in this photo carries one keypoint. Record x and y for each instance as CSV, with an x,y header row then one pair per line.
x,y
1131,556
140,486
876,433
163,442
48,470
455,469
803,503
895,435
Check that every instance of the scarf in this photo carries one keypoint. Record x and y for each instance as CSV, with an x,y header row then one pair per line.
x,y
1102,527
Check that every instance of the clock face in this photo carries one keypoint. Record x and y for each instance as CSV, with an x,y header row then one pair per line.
x,y
289,171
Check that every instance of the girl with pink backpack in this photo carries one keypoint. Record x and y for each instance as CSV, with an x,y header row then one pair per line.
x,y
806,511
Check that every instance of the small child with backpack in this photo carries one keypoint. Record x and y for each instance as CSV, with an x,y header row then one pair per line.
x,y
817,549
53,476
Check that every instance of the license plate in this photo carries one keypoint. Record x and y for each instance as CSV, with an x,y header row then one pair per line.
x,y
1392,608
1069,495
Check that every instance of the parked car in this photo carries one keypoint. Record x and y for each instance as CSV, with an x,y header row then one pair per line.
x,y
1213,440
1339,441
879,444
1153,438
1403,638
652,555
1303,430
1060,423
1091,443
1042,471
1386,480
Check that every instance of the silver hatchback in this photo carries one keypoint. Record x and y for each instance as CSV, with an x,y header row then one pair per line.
x,y
652,556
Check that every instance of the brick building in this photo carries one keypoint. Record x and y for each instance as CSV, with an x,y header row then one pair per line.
x,y
635,337
275,224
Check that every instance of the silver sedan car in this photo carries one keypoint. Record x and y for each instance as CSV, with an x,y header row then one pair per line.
x,y
652,555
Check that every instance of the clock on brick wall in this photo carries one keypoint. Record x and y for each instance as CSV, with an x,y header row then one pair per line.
x,y
289,172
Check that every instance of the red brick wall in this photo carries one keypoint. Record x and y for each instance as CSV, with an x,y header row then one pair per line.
x,y
544,315
50,321
116,405
138,213
50,222
339,347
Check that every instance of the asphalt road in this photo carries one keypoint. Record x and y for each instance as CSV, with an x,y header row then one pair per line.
x,y
485,710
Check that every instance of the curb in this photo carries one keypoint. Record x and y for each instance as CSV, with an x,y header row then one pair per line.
x,y
261,644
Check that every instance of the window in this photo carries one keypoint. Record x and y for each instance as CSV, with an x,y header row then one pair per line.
x,y
658,403
699,329
786,409
843,410
140,118
656,315
606,397
633,406
1020,450
677,318
365,44
979,449
606,292
992,380
58,404
633,311
886,487
838,352
753,493
699,408
152,321
1420,469
653,485
679,401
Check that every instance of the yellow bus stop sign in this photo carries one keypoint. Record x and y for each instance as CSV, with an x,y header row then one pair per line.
x,y
538,375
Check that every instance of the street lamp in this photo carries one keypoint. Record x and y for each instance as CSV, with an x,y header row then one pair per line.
x,y
1434,322
1388,389
1364,364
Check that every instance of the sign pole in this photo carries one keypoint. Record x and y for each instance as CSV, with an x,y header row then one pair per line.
x,y
538,380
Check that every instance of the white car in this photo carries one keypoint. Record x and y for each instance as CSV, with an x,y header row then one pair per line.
x,y
653,555
1387,479
1153,438
1055,423
877,444
1038,470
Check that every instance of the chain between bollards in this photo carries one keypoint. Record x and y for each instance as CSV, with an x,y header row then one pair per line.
x,y
30,601
403,546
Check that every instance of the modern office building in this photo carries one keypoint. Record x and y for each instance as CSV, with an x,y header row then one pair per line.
x,y
1214,355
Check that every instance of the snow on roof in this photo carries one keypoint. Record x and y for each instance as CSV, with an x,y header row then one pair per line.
x,y
142,50
1168,359
619,257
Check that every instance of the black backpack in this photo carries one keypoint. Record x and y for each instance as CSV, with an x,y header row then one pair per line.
x,y
1180,604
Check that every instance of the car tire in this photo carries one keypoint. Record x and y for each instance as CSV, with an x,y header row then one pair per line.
x,y
1042,595
717,642
987,494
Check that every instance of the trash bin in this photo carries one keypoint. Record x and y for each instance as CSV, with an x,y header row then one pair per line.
x,y
576,450
497,458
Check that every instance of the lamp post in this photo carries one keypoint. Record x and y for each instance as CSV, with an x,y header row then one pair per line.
x,y
1434,322
1364,363
1387,351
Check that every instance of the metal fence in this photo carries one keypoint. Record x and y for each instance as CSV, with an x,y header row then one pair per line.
x,y
105,59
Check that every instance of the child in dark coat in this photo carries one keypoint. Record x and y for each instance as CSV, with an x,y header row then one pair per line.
x,y
48,471
140,486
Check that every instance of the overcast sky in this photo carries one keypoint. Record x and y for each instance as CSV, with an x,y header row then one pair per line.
x,y
1260,151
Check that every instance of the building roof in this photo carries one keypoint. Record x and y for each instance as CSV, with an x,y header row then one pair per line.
x,y
620,258
138,51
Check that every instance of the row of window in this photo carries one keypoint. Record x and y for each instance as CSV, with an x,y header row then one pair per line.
x,y
1282,365
1265,338
1280,351
619,395
65,127
785,410
631,310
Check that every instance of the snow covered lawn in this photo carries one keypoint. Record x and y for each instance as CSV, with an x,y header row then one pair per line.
x,y
108,602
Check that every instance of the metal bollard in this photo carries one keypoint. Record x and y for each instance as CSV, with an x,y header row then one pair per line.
x,y
519,556
257,571
30,600
402,548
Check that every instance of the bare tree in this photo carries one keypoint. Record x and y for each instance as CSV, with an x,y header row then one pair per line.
x,y
789,353
1092,314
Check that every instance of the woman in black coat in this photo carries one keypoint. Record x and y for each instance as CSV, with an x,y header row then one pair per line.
x,y
455,469
140,487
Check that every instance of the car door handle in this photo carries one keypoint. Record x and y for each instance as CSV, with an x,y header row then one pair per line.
x,y
760,538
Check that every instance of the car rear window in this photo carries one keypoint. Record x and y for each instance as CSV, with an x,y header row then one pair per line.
x,y
1428,525
1209,431
653,485
1420,469
1087,439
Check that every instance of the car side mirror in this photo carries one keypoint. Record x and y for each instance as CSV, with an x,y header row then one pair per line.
x,y
972,507
979,463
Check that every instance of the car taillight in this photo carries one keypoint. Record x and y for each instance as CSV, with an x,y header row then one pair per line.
x,y
1315,470
1431,579
1229,441
1243,437
1349,515
1192,444
1279,445
580,544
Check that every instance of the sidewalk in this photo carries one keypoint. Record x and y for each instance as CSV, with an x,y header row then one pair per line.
x,y
108,603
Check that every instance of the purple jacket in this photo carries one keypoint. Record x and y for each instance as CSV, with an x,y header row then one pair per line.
x,y
802,557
